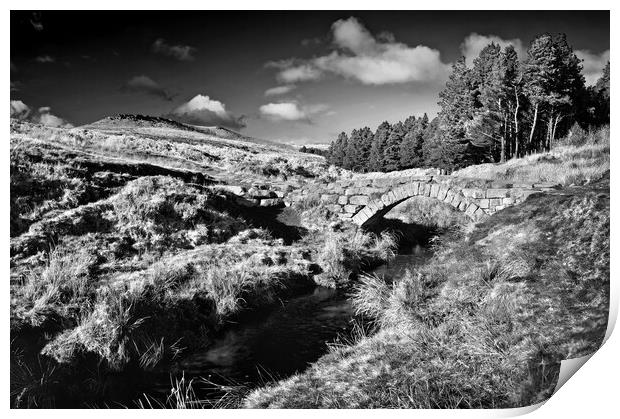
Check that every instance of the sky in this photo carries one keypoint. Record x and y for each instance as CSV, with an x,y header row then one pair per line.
x,y
297,77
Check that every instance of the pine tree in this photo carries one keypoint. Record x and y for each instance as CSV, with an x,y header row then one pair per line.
x,y
337,150
552,82
457,110
513,84
391,154
411,148
352,158
365,145
602,103
378,146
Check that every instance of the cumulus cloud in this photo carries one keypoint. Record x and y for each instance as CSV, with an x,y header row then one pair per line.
x,y
474,43
593,64
360,56
45,59
202,110
43,115
20,110
35,21
179,52
280,90
145,84
291,111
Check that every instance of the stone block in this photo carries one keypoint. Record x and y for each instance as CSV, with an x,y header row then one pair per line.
x,y
462,205
401,193
352,209
393,197
471,208
484,203
385,198
473,193
376,205
369,191
382,182
434,190
497,193
343,200
351,191
358,199
234,189
334,208
427,189
443,191
449,196
479,214
508,201
270,202
456,201
495,202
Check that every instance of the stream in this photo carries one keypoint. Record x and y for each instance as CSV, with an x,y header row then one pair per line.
x,y
277,343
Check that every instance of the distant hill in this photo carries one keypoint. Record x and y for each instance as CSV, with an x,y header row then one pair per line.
x,y
127,123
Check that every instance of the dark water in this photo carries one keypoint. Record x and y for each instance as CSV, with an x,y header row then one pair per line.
x,y
407,259
281,341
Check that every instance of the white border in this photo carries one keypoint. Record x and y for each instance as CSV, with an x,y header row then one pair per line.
x,y
593,392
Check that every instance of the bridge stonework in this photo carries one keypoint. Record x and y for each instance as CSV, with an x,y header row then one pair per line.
x,y
366,198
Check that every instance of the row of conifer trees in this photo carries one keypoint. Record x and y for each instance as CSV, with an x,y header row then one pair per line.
x,y
497,109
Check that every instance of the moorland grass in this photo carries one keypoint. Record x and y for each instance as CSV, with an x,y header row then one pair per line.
x,y
485,324
576,159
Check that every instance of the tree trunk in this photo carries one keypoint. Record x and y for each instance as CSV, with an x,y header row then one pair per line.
x,y
555,126
529,142
549,131
502,156
516,152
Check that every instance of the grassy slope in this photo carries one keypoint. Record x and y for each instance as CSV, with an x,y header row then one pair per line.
x,y
484,324
565,164
119,261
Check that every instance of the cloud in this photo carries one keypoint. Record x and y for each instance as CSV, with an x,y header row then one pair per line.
x,y
20,110
144,84
202,110
593,64
45,59
280,90
179,52
46,118
43,115
294,70
474,43
35,21
360,56
291,111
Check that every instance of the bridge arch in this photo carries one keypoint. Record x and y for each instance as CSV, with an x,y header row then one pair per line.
x,y
376,208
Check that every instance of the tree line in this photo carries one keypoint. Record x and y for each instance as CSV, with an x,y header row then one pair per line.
x,y
497,109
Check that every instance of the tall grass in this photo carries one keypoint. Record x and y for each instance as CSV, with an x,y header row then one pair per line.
x,y
61,288
343,256
577,159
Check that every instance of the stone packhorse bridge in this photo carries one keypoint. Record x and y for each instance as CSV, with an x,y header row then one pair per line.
x,y
366,198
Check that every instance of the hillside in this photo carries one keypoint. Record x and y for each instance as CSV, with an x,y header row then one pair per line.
x,y
128,249
163,127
